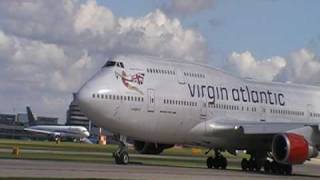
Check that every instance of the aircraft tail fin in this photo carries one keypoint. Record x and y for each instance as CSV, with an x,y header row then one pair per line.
x,y
31,118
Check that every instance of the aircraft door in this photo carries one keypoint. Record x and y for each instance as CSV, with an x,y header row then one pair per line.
x,y
151,100
180,76
263,111
309,111
203,110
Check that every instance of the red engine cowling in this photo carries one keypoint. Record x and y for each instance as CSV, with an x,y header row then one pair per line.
x,y
290,148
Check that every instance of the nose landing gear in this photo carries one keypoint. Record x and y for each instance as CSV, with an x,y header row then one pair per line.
x,y
121,155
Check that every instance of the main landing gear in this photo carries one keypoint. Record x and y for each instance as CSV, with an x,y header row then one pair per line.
x,y
121,155
277,168
255,164
219,161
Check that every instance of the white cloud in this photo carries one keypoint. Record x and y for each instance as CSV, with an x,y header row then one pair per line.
x,y
94,28
245,65
303,67
48,48
34,69
187,7
96,19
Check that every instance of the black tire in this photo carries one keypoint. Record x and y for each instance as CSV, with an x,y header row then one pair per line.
x,y
216,163
224,163
210,162
251,165
258,167
244,164
267,167
274,167
124,158
281,170
116,159
288,169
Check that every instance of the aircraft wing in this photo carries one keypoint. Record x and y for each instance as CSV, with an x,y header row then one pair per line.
x,y
254,135
222,127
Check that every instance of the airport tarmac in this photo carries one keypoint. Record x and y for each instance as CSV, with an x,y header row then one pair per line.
x,y
60,169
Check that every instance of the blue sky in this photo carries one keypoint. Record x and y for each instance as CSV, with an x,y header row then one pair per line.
x,y
49,48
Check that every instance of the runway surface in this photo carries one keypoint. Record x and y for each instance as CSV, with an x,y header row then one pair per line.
x,y
36,168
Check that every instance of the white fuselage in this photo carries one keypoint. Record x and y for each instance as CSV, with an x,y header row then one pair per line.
x,y
62,131
155,100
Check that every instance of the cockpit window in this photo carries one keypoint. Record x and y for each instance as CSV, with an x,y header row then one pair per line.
x,y
110,64
113,63
120,64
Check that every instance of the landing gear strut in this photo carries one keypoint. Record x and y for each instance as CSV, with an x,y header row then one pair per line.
x,y
219,161
57,139
121,155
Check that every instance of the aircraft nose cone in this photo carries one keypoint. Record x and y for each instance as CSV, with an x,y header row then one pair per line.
x,y
82,97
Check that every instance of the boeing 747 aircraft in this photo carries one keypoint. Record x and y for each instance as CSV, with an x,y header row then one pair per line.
x,y
57,132
164,102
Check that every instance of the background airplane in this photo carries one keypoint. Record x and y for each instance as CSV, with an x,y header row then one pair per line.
x,y
57,132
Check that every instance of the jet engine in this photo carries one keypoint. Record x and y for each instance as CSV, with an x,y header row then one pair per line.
x,y
290,148
150,148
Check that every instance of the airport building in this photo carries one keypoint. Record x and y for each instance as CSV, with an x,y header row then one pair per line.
x,y
12,126
22,119
41,120
7,119
76,117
